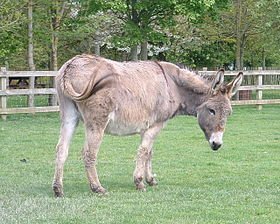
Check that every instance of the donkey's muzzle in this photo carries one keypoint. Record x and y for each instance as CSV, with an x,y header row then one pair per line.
x,y
215,146
216,140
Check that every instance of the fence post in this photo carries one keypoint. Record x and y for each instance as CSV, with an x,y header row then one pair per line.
x,y
3,86
53,98
259,92
31,87
237,95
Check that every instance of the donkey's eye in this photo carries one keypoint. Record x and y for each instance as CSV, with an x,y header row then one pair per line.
x,y
212,112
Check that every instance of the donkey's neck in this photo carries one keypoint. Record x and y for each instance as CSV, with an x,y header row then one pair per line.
x,y
191,101
193,91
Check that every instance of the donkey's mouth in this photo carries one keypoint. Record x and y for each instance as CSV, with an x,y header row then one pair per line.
x,y
216,140
215,146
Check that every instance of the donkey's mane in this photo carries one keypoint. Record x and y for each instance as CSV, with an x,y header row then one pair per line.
x,y
206,77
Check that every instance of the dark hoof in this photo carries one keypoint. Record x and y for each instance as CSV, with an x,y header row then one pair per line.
x,y
141,187
99,190
152,183
58,192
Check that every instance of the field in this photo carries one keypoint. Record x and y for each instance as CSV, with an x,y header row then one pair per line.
x,y
240,183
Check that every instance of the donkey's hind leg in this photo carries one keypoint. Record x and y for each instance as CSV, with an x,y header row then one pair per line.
x,y
95,112
94,136
144,158
69,122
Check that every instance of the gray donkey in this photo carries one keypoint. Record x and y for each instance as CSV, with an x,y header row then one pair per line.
x,y
124,98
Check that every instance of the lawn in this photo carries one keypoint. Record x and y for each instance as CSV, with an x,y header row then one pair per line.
x,y
240,183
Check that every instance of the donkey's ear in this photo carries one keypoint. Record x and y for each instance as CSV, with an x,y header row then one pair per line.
x,y
218,81
233,86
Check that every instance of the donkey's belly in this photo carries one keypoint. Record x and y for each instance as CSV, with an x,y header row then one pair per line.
x,y
116,126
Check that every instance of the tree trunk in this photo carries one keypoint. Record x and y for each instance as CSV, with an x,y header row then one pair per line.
x,y
133,53
144,51
237,56
263,59
96,43
57,13
54,65
238,35
31,64
135,20
30,52
54,38
242,52
96,47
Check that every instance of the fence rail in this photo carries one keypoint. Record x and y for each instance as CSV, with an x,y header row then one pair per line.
x,y
260,74
31,91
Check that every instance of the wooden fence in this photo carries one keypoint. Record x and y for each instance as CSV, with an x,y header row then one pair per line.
x,y
259,87
32,90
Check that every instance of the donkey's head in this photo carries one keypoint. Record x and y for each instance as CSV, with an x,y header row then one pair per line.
x,y
212,114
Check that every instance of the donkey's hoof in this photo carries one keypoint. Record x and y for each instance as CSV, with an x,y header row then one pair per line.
x,y
58,192
152,183
141,187
99,190
103,191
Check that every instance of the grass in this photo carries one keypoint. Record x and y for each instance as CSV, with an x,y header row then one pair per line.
x,y
240,183
267,94
22,101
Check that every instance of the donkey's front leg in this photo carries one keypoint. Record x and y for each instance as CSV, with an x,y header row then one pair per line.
x,y
144,158
93,140
150,177
140,167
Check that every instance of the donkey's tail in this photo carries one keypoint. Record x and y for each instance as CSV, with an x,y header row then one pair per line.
x,y
69,89
67,77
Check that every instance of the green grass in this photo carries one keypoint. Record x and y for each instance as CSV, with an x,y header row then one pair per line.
x,y
239,183
271,94
22,101
267,94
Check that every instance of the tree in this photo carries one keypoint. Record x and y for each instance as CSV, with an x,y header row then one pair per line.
x,y
190,44
264,47
144,20
57,10
243,23
197,33
11,20
9,16
96,29
30,36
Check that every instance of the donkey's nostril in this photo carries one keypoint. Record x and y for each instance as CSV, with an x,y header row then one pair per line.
x,y
216,140
215,145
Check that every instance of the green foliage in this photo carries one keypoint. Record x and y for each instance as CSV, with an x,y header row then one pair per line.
x,y
197,33
260,39
11,39
10,44
219,54
145,20
237,184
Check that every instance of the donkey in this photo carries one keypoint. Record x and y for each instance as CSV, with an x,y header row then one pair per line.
x,y
124,98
